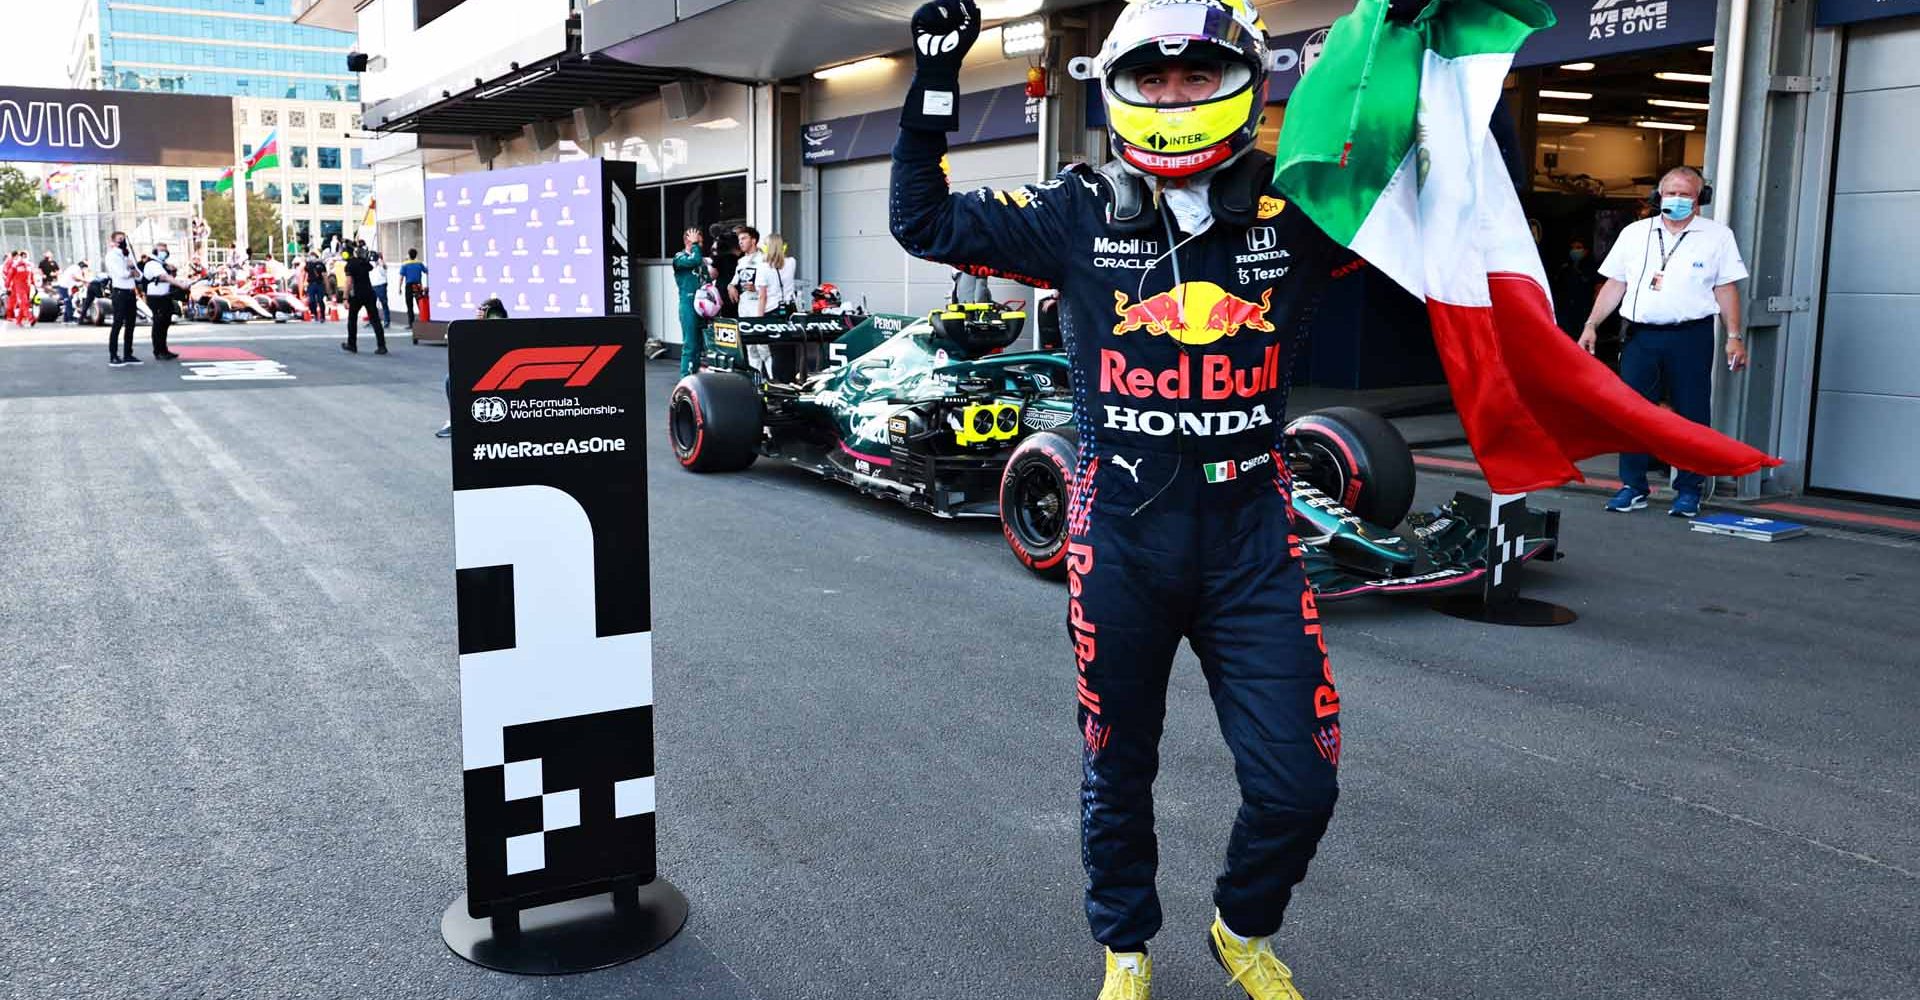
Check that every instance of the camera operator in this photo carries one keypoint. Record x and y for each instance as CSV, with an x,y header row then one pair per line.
x,y
361,296
160,279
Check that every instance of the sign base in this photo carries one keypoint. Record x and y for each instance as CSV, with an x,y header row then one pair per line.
x,y
1522,611
578,935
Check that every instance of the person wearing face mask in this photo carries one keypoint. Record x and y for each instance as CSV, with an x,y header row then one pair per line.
x,y
1669,276
1185,278
1575,278
159,280
124,275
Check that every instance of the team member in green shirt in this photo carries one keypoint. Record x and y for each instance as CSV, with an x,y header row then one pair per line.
x,y
689,273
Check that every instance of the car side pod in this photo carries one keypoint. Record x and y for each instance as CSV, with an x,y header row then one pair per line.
x,y
1513,532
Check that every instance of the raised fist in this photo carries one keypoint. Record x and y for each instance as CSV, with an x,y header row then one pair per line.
x,y
943,31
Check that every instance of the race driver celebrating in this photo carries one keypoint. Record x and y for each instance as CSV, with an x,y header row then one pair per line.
x,y
1185,281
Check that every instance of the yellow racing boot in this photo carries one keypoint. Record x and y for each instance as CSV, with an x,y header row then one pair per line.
x,y
1129,976
1251,963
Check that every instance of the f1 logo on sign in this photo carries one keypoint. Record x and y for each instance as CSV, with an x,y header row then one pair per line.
x,y
575,366
554,613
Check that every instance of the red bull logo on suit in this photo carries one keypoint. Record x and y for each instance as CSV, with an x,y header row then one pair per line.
x,y
1193,312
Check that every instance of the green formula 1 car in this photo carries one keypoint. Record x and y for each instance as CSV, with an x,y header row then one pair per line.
x,y
934,412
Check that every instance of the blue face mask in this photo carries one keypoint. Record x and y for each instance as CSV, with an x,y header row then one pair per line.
x,y
162,255
1676,206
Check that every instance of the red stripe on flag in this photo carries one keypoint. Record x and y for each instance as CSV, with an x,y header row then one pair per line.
x,y
1533,403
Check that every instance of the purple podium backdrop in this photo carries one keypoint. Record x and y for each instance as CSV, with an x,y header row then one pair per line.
x,y
549,241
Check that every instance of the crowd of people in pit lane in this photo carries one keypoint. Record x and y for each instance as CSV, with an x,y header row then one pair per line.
x,y
33,292
342,275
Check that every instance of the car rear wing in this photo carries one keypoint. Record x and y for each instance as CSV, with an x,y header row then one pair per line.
x,y
846,336
799,329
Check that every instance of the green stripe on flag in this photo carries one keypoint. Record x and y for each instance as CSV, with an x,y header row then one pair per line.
x,y
271,159
1219,472
1351,120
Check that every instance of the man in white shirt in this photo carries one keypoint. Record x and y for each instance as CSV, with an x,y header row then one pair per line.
x,y
752,292
1669,276
159,279
73,281
379,279
119,266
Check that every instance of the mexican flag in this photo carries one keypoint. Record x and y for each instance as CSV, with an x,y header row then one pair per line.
x,y
1386,147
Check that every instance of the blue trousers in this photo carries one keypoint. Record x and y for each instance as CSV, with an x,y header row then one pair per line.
x,y
1678,358
1217,564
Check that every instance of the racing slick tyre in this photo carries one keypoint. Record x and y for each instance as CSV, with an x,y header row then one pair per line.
x,y
714,422
1034,491
1358,458
217,312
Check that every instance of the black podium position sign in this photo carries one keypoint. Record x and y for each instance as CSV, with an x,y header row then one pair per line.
x,y
556,677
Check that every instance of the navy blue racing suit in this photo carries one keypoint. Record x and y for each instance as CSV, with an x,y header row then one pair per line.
x,y
1180,524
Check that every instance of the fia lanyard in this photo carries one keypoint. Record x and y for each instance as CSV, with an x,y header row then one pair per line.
x,y
1660,231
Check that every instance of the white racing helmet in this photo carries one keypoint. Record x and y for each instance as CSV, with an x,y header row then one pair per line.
x,y
1180,140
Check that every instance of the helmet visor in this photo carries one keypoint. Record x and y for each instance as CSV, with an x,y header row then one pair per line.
x,y
1190,32
1234,76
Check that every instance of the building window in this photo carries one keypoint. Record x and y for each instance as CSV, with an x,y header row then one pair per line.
x,y
269,117
326,120
300,193
206,189
273,191
699,204
357,157
143,189
179,190
329,194
300,231
362,193
424,11
329,228
296,119
329,157
299,156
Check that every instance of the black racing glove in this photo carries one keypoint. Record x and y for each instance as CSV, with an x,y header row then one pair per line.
x,y
943,31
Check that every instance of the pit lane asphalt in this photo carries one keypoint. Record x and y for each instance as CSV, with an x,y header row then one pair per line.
x,y
229,736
